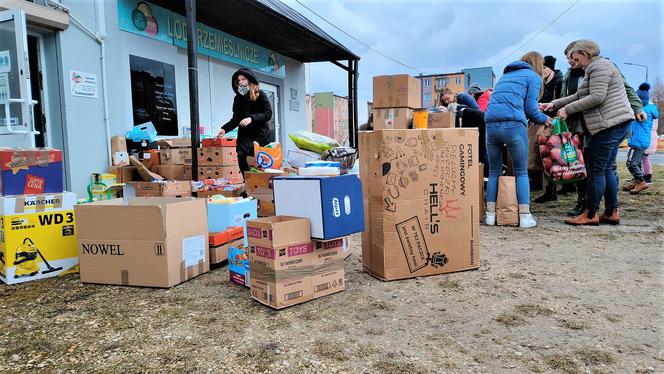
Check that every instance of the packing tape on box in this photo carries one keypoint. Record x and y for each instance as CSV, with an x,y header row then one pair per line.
x,y
124,277
33,157
21,203
260,271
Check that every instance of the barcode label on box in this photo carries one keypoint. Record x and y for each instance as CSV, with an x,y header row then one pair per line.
x,y
293,295
322,287
193,250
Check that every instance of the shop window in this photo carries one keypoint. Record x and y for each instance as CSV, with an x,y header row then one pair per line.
x,y
153,94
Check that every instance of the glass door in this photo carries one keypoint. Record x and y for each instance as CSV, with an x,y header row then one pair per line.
x,y
272,96
16,122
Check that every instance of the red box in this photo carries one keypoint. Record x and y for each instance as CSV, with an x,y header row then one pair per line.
x,y
216,142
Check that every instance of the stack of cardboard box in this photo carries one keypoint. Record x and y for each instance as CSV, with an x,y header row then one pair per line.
x,y
394,99
287,267
260,186
174,155
219,162
37,233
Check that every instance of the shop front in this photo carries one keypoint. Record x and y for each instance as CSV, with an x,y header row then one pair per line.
x,y
110,65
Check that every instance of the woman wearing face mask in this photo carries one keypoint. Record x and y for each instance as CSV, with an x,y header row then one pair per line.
x,y
251,111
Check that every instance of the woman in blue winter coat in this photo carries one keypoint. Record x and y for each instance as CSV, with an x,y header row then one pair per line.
x,y
513,103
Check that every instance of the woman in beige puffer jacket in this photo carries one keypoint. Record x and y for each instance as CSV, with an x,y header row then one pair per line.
x,y
602,99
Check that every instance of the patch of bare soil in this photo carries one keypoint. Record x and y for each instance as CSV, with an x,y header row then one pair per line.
x,y
550,299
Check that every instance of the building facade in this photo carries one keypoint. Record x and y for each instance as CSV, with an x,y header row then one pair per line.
x,y
111,64
330,116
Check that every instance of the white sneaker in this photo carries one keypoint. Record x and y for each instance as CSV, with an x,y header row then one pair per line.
x,y
527,221
490,219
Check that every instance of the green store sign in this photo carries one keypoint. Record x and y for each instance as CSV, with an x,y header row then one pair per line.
x,y
152,21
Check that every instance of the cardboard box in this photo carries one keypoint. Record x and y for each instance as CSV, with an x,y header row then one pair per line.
x,y
265,204
162,189
278,231
393,118
124,174
175,156
421,202
151,242
238,265
175,143
232,173
393,91
38,237
120,158
482,198
151,158
333,204
30,171
143,171
217,156
260,183
219,142
118,144
282,293
441,120
223,216
172,172
220,253
231,190
329,282
284,258
331,250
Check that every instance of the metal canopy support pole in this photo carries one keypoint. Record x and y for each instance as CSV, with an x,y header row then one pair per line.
x,y
355,114
351,106
193,85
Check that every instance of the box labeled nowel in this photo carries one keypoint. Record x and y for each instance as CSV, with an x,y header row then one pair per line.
x,y
151,242
334,205
423,206
38,237
278,231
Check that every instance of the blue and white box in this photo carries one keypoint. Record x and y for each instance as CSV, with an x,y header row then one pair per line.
x,y
334,205
223,216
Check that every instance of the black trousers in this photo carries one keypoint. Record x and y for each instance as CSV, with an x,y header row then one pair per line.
x,y
468,117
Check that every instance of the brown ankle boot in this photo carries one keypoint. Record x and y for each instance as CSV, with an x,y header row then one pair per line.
x,y
630,185
642,185
582,219
613,219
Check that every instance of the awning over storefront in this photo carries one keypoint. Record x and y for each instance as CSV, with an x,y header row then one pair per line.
x,y
274,25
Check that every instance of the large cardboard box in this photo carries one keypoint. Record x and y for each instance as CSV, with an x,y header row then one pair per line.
x,y
421,202
220,253
151,242
172,172
278,231
265,204
260,183
393,118
175,156
393,91
281,293
37,237
441,120
162,189
333,204
217,156
175,143
30,171
232,190
232,173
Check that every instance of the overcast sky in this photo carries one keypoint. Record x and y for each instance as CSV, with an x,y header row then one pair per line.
x,y
447,36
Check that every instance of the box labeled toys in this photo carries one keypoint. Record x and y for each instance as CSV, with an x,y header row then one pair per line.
x,y
30,171
37,237
150,242
422,202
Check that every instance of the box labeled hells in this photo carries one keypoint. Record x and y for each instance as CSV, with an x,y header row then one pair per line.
x,y
151,242
37,237
422,202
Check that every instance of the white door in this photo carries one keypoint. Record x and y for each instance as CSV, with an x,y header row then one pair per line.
x,y
273,97
16,122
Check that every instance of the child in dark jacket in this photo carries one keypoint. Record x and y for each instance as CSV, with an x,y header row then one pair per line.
x,y
512,104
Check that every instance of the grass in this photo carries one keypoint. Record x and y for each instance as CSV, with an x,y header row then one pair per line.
x,y
532,310
574,325
563,362
594,356
510,320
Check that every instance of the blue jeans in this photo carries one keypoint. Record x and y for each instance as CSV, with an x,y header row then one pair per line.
x,y
515,137
600,156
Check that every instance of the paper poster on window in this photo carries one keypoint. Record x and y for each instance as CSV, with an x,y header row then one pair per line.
x,y
83,84
4,88
5,62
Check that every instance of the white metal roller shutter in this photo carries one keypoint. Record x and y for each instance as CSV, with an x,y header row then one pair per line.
x,y
182,89
204,92
222,93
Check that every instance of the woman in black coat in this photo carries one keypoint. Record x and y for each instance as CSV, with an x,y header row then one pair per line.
x,y
251,111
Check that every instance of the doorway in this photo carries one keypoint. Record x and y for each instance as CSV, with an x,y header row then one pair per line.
x,y
37,90
273,123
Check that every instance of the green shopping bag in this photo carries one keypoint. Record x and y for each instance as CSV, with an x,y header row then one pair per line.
x,y
562,158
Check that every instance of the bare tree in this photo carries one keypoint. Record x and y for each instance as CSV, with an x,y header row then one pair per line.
x,y
657,97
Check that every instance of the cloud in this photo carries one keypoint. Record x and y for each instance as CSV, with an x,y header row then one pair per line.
x,y
635,49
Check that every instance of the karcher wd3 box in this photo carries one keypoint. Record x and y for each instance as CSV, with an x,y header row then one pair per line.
x,y
37,236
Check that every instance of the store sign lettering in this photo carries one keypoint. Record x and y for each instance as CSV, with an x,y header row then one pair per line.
x,y
149,20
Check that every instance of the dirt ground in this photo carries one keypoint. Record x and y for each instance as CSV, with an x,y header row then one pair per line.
x,y
549,299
